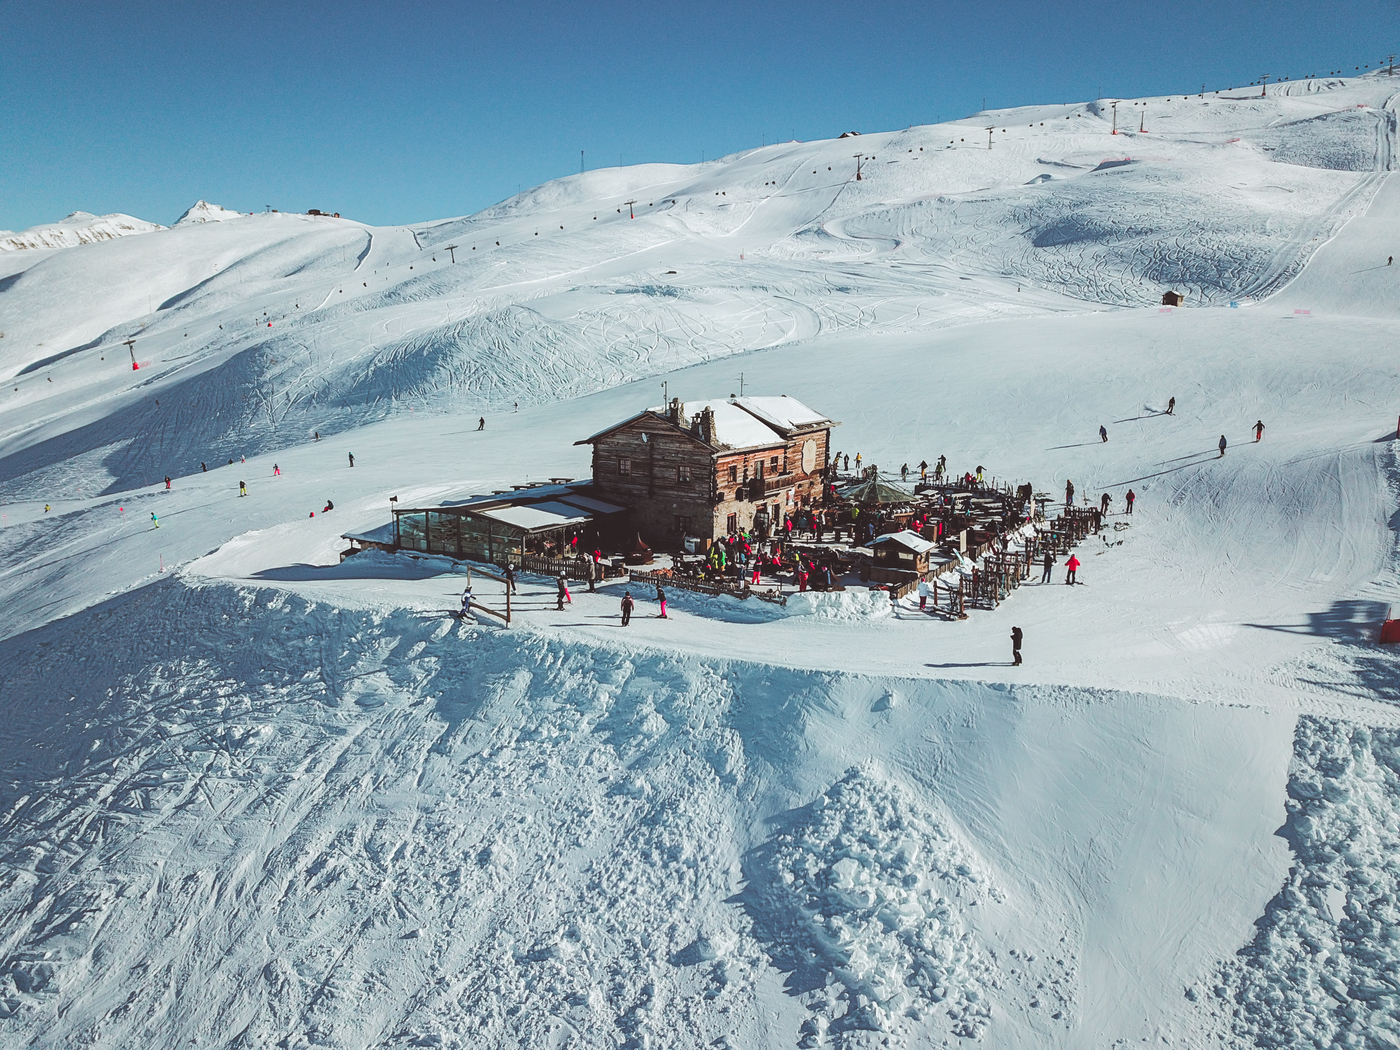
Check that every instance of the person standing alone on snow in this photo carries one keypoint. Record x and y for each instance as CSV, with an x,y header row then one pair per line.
x,y
626,608
1072,565
1016,646
481,423
661,597
352,459
1221,446
1171,406
1258,431
1069,493
1129,498
1103,433
1049,565
167,483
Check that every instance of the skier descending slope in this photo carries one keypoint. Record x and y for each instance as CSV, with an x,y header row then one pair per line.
x,y
154,520
1103,433
1258,429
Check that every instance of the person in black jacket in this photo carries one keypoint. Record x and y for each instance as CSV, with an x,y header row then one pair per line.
x,y
1048,564
626,608
1016,646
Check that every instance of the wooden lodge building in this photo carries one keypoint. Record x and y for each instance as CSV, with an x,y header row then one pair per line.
x,y
709,468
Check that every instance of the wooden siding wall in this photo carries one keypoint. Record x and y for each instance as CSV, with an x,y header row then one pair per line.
x,y
657,499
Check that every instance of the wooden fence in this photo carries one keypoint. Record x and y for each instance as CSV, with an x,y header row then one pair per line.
x,y
734,588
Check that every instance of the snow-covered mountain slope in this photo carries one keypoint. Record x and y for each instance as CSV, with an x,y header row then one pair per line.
x,y
254,795
78,228
203,211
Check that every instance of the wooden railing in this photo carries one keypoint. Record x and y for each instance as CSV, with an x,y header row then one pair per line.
x,y
736,588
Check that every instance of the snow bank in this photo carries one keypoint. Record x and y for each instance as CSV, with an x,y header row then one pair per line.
x,y
855,893
1324,969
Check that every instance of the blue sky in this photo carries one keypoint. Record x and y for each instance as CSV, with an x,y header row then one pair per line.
x,y
404,112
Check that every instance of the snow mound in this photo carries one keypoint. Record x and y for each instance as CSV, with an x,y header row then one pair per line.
x,y
78,228
1322,969
203,211
861,899
840,605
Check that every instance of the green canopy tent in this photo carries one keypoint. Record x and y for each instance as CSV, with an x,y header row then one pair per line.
x,y
872,492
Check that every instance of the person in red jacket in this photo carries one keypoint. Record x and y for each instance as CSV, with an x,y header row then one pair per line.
x,y
1071,565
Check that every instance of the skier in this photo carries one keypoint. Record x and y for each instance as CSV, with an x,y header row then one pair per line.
x,y
1171,406
154,520
1016,647
1049,564
1103,432
979,475
167,483
1072,565
46,508
563,594
328,507
316,435
352,459
466,601
1258,429
1130,497
276,470
626,608
1104,501
510,580
661,597
1221,446
857,462
242,489
1069,493
203,469
481,423
923,470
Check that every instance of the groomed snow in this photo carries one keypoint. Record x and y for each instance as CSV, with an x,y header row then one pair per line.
x,y
253,795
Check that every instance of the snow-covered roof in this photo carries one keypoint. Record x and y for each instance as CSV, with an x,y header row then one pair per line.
x,y
783,413
906,539
531,517
739,422
379,534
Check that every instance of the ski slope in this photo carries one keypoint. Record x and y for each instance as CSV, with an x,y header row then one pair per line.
x,y
256,796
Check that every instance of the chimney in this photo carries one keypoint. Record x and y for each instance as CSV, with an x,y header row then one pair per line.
x,y
676,411
707,426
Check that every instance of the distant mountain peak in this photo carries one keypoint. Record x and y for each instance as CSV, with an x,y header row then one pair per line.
x,y
79,227
203,211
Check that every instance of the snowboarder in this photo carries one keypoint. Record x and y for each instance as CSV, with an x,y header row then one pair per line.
x,y
154,520
979,475
1103,432
1221,446
661,597
1049,564
1130,497
564,595
466,601
1072,565
1104,501
510,580
46,508
1171,406
481,423
242,489
276,470
1016,647
1258,429
626,608
1069,493
328,507
352,459
167,483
